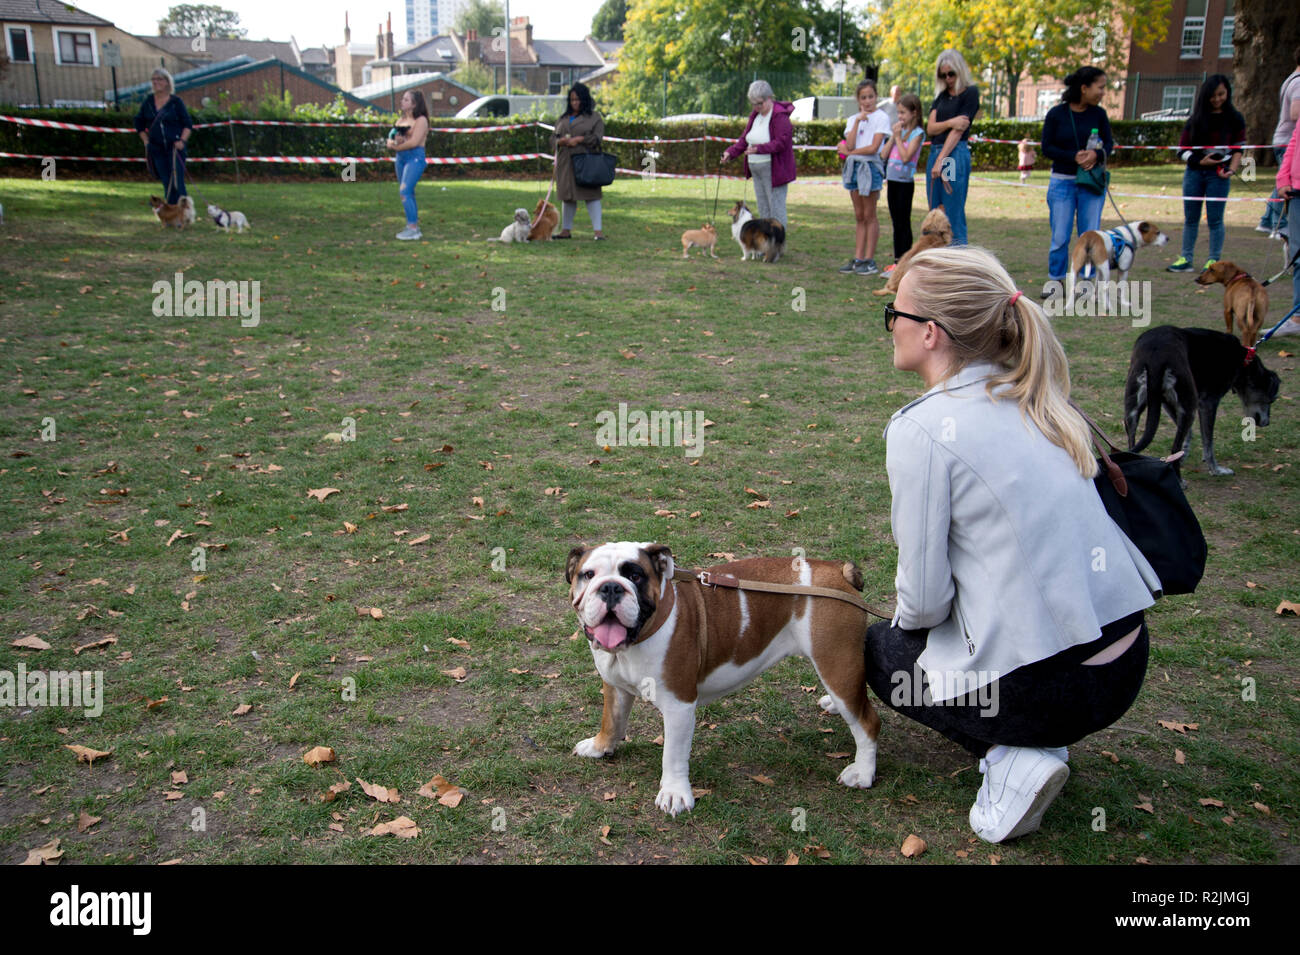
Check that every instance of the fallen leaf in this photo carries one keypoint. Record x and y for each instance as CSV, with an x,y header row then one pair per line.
x,y
30,643
94,643
1178,727
763,780
418,540
374,612
379,793
180,777
293,681
458,674
459,643
350,528
87,755
1113,757
402,827
321,493
317,755
85,821
1217,803
173,796
1146,807
604,835
241,709
913,846
47,854
1262,808
448,794
791,859
1180,757
1287,607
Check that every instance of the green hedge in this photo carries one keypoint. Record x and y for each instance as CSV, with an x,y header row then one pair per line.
x,y
368,141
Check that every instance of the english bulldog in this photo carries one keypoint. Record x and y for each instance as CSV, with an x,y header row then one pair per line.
x,y
680,643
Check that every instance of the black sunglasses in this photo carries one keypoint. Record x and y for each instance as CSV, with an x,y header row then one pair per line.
x,y
947,76
892,314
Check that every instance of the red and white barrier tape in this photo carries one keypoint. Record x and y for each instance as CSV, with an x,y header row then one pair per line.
x,y
976,138
309,160
1136,195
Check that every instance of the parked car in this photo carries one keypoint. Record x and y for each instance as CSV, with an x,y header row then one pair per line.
x,y
502,105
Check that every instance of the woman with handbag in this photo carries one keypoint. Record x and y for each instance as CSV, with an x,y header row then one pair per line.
x,y
578,131
1076,191
1211,146
768,147
1019,627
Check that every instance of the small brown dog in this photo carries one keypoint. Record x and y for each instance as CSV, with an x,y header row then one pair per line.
x,y
706,237
547,217
936,232
1244,299
179,215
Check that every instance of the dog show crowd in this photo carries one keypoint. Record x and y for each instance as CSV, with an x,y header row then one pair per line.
x,y
994,512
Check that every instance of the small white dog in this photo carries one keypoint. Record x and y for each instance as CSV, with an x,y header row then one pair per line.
x,y
225,220
516,231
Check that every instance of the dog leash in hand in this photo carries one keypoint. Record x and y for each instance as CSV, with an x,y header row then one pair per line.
x,y
732,582
555,164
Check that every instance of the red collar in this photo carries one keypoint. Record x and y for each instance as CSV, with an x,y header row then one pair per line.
x,y
1237,277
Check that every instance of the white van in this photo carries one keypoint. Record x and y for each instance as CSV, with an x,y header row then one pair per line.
x,y
823,107
502,105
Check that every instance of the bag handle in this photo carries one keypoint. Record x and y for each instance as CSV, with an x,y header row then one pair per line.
x,y
1113,472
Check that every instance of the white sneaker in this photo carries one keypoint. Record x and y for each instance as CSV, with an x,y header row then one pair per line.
x,y
1016,791
409,233
1291,327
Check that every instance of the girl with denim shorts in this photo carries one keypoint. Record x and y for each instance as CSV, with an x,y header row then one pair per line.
x,y
866,133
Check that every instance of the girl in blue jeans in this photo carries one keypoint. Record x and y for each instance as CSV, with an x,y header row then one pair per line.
x,y
1211,146
407,140
1066,129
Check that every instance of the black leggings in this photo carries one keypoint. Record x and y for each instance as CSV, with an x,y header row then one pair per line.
x,y
1054,702
899,197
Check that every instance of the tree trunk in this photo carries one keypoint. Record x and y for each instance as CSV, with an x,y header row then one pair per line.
x,y
1264,41
1013,81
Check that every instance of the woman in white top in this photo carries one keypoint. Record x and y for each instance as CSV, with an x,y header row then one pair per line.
x,y
1019,625
768,147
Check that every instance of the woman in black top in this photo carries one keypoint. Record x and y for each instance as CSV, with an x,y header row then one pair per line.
x,y
164,126
1217,127
955,104
1066,130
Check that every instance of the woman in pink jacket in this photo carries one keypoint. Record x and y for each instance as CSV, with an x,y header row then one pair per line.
x,y
768,146
1288,188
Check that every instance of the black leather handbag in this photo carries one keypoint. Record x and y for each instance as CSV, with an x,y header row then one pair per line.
x,y
593,170
1144,497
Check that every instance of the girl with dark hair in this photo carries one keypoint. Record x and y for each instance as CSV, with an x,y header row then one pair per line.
x,y
407,139
1211,146
1066,131
579,130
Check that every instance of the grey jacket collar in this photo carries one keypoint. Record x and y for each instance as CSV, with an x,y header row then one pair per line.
x,y
972,374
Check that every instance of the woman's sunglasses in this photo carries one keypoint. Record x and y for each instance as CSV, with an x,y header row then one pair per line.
x,y
892,315
951,74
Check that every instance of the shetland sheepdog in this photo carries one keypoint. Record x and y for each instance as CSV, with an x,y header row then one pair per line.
x,y
756,237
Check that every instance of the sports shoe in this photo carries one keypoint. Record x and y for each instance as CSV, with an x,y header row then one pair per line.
x,y
409,233
1208,263
1016,791
1264,229
890,267
867,267
1291,327
851,265
1181,265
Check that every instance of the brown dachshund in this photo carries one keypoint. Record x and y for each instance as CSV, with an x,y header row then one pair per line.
x,y
1244,299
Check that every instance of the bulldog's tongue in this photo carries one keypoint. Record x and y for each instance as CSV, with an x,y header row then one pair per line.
x,y
610,634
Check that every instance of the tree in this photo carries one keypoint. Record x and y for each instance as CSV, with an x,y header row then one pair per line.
x,y
482,16
683,55
1004,41
1265,37
477,77
201,19
607,24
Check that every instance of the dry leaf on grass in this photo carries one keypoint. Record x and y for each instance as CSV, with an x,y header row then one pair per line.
x,y
1180,757
1217,803
913,846
318,755
604,835
332,793
87,755
85,821
173,796
320,493
458,674
418,540
791,859
180,777
373,612
293,681
379,793
47,854
448,794
1146,807
1287,607
94,643
1178,727
241,709
763,780
30,643
402,827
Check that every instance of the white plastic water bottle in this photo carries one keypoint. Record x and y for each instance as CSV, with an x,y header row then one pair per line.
x,y
1094,141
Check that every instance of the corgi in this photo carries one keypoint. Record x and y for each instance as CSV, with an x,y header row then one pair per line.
x,y
706,237
179,215
545,218
516,231
225,220
765,237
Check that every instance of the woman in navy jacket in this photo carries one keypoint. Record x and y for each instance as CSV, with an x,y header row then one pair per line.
x,y
1065,134
164,126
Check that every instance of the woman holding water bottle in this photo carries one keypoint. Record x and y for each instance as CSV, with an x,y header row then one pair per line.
x,y
1076,135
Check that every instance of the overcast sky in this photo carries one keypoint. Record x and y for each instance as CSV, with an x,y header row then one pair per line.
x,y
320,22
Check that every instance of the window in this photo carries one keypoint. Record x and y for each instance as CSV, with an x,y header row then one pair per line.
x,y
1225,38
1047,99
556,82
20,44
1178,98
75,47
1193,29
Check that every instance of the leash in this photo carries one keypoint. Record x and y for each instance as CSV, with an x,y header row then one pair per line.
x,y
555,162
1285,269
732,582
1269,334
717,187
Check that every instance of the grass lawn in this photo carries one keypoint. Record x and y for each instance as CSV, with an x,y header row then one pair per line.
x,y
473,375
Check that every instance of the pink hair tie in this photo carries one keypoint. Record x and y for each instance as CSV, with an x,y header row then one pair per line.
x,y
1016,296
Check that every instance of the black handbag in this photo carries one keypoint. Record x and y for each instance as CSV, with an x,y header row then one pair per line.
x,y
1095,180
1145,499
593,170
